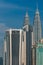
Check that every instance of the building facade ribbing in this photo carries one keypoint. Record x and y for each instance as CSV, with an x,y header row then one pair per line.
x,y
13,47
37,27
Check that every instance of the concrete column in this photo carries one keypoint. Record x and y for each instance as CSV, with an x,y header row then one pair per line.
x,y
20,48
10,47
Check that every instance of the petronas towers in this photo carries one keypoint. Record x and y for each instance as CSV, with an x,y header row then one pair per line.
x,y
37,29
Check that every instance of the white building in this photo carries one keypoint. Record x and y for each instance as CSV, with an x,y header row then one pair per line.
x,y
13,47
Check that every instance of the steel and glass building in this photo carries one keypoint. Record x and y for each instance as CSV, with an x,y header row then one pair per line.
x,y
39,54
27,41
13,47
37,26
33,54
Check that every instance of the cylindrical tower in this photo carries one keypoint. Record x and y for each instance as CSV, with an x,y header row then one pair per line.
x,y
34,55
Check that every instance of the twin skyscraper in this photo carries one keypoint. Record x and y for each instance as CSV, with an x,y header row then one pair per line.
x,y
18,42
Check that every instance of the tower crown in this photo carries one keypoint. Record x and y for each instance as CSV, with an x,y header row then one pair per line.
x,y
26,19
26,14
37,11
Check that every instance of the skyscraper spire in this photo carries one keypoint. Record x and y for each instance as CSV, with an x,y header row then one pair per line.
x,y
37,6
37,11
37,26
26,19
26,22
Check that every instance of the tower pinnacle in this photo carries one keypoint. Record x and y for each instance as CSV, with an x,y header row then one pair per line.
x,y
37,11
26,19
26,14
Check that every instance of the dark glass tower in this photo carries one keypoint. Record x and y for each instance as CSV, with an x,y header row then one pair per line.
x,y
27,41
37,26
12,51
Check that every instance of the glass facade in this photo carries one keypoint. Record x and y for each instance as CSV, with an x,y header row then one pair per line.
x,y
28,47
39,54
15,47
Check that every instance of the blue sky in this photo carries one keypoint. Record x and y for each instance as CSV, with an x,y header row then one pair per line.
x,y
12,14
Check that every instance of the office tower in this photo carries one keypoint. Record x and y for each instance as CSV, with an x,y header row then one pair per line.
x,y
33,51
39,54
13,46
37,26
27,41
33,54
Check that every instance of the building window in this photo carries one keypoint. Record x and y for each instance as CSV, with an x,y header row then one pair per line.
x,y
22,36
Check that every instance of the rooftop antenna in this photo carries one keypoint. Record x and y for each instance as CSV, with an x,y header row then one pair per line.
x,y
37,11
37,6
26,12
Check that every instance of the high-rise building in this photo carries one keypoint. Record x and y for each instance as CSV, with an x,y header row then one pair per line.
x,y
33,54
14,47
37,31
27,42
37,26
39,54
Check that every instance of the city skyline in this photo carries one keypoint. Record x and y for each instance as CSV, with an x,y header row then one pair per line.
x,y
12,14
